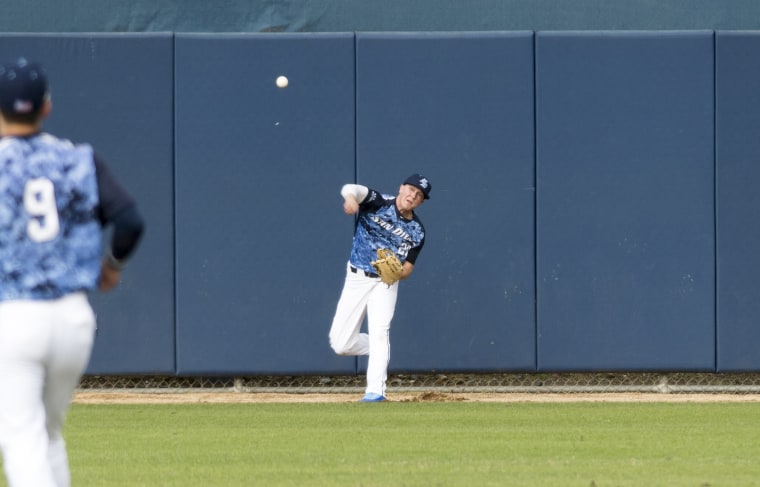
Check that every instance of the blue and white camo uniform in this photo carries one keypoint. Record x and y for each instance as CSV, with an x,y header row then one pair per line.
x,y
380,226
50,242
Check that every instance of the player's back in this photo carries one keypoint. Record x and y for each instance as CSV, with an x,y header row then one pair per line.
x,y
49,233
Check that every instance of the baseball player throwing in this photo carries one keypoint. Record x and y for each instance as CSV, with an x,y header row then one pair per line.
x,y
387,240
55,197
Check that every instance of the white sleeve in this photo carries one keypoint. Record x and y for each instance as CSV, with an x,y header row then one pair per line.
x,y
356,190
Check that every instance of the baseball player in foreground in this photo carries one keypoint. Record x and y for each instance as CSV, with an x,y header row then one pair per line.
x,y
387,240
55,197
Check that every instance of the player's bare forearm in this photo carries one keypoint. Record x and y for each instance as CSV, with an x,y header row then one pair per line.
x,y
109,277
406,270
350,205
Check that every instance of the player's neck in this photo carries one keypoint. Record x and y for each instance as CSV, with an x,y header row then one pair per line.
x,y
19,129
408,214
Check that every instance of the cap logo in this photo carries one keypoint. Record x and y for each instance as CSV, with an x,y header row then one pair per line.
x,y
23,106
424,182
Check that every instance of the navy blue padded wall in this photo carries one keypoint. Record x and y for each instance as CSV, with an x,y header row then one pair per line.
x,y
625,213
115,92
738,209
457,107
260,225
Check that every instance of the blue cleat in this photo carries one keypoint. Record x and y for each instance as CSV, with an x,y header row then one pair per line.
x,y
372,397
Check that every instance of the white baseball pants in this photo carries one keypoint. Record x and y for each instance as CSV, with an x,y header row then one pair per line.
x,y
365,296
44,349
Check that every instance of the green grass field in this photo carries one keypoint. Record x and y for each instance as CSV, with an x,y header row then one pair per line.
x,y
415,444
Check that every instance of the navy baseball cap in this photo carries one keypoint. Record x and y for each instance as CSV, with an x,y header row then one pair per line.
x,y
421,182
23,87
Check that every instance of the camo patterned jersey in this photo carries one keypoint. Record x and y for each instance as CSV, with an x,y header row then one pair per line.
x,y
50,240
380,226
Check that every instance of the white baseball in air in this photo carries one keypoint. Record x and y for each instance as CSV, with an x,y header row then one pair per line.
x,y
282,81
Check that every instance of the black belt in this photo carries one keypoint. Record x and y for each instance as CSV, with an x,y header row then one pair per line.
x,y
368,274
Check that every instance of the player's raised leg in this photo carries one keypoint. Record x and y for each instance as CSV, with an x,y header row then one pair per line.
x,y
345,338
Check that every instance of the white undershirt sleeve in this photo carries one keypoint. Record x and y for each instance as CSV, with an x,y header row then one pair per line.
x,y
358,191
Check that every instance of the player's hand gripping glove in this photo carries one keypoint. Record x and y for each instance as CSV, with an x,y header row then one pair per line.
x,y
388,266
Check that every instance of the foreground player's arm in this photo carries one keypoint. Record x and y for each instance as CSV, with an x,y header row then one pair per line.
x,y
118,209
353,195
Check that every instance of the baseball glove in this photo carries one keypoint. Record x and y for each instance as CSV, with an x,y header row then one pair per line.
x,y
388,266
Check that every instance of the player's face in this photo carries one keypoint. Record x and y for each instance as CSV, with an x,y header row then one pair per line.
x,y
409,197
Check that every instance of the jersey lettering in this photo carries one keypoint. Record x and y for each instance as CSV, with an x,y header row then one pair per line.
x,y
39,202
49,191
379,225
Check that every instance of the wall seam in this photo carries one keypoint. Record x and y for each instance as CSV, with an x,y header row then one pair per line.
x,y
715,198
174,199
535,204
356,138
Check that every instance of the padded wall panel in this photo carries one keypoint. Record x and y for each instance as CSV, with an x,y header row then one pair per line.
x,y
625,208
738,210
457,107
260,227
115,92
